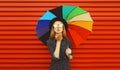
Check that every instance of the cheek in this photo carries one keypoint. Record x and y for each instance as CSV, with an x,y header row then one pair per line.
x,y
55,29
61,29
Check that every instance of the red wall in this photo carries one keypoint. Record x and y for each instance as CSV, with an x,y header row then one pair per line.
x,y
21,50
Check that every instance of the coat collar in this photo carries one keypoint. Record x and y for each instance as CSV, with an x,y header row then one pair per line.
x,y
53,41
63,39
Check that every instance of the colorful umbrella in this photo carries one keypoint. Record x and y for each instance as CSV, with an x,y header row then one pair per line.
x,y
79,23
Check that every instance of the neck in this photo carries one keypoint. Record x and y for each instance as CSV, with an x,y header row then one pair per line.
x,y
58,35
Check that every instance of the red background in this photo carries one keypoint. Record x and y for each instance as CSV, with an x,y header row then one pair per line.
x,y
21,50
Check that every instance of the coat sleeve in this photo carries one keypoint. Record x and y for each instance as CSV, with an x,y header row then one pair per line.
x,y
51,49
70,46
69,43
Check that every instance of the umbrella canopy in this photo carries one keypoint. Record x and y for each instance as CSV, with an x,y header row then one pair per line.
x,y
79,23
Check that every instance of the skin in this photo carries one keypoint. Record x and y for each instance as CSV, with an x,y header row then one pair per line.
x,y
58,33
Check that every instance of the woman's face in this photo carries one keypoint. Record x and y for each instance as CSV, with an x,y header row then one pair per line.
x,y
58,26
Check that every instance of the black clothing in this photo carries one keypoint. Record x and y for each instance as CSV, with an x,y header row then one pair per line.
x,y
61,63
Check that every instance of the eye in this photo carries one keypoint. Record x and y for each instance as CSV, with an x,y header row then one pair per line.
x,y
60,25
57,25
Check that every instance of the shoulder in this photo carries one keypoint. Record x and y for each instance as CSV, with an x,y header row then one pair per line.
x,y
68,40
49,41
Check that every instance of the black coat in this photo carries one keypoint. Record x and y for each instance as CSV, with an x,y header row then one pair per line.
x,y
61,63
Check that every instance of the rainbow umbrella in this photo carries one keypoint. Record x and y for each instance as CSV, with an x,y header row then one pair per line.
x,y
79,23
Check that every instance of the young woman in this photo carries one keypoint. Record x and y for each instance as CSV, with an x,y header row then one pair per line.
x,y
59,45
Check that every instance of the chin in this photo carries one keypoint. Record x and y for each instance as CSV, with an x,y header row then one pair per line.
x,y
58,32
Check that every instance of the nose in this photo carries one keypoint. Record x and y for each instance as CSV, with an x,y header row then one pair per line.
x,y
58,29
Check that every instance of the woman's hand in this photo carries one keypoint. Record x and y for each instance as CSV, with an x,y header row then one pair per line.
x,y
68,53
70,57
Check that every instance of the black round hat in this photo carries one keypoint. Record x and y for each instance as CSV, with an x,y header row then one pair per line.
x,y
59,19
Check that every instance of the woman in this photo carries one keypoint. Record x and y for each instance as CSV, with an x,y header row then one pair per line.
x,y
59,45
